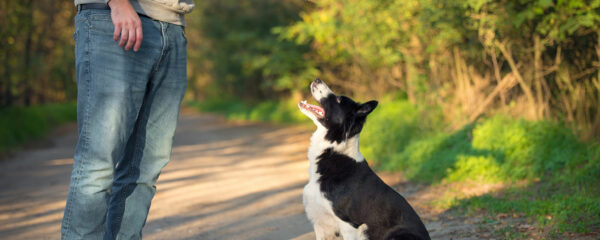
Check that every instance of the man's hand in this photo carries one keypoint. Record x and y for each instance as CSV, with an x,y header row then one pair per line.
x,y
127,24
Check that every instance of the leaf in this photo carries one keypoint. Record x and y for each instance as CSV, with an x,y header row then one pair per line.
x,y
545,3
522,17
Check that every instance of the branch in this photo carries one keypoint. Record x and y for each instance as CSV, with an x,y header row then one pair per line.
x,y
507,83
515,70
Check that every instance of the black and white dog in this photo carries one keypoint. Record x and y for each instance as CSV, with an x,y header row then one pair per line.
x,y
344,197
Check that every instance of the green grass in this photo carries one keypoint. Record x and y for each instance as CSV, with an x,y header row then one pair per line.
x,y
494,149
21,124
558,175
561,173
564,209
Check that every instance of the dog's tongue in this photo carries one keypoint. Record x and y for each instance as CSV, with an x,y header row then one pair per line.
x,y
317,109
314,108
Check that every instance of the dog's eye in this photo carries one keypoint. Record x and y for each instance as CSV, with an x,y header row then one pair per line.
x,y
338,99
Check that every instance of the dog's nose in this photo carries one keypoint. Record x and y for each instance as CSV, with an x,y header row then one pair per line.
x,y
317,80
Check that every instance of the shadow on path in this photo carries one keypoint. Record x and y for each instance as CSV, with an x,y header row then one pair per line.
x,y
225,181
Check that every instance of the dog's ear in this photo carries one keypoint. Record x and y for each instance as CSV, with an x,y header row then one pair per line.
x,y
366,108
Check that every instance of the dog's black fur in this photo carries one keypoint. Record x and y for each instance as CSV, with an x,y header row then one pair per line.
x,y
357,195
344,118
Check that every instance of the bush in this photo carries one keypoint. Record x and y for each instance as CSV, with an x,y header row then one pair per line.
x,y
560,172
389,128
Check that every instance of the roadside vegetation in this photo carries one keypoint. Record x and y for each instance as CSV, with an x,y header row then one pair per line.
x,y
22,124
547,173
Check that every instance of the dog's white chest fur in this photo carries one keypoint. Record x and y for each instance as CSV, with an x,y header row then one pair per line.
x,y
342,183
319,209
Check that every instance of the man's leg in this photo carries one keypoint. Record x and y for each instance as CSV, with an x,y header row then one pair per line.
x,y
111,87
149,148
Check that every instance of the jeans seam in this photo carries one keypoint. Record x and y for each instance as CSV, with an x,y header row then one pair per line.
x,y
84,130
122,197
164,36
145,116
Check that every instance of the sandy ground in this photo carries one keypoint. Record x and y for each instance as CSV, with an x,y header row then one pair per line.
x,y
225,181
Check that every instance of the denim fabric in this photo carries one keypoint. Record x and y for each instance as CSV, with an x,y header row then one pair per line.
x,y
127,108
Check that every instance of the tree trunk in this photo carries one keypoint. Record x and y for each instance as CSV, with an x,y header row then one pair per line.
x,y
538,76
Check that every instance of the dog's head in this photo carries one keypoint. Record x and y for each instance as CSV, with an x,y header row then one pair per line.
x,y
342,117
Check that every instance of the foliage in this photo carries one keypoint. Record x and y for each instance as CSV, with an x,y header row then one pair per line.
x,y
560,171
402,118
472,57
498,147
37,64
21,124
243,55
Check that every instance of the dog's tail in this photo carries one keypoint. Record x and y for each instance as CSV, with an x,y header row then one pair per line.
x,y
406,234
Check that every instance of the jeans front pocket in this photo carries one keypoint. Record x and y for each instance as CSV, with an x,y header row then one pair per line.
x,y
81,21
101,23
183,34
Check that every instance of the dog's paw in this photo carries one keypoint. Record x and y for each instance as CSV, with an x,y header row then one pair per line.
x,y
362,232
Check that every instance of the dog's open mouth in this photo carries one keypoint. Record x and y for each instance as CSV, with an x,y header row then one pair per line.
x,y
316,110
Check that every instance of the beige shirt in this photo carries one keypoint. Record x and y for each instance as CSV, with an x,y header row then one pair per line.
x,y
171,11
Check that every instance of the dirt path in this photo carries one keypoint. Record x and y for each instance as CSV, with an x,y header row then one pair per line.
x,y
225,181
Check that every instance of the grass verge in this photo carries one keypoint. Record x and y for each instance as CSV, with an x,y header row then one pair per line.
x,y
21,124
550,176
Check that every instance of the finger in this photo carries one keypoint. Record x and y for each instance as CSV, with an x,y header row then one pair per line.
x,y
117,32
131,39
139,36
124,36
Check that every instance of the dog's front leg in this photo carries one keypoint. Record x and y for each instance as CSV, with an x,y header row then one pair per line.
x,y
362,232
325,231
350,233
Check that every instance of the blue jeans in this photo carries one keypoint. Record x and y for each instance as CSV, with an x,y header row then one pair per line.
x,y
127,109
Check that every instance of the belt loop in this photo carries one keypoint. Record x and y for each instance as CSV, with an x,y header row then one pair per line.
x,y
78,8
